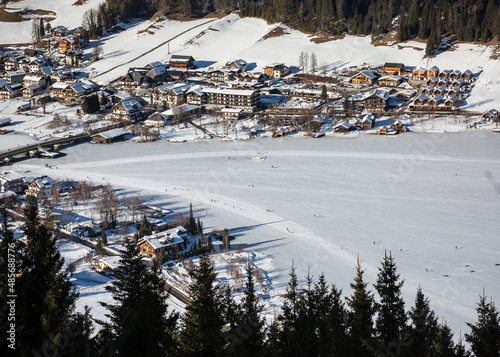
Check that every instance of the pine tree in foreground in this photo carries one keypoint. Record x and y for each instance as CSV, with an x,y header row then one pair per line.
x,y
46,297
249,334
362,308
202,334
424,326
140,324
391,319
443,345
290,339
484,337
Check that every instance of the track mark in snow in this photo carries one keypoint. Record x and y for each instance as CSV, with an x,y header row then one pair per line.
x,y
153,49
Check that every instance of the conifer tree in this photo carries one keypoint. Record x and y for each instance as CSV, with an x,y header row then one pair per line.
x,y
145,229
484,337
360,316
290,337
424,326
324,93
81,328
201,333
443,345
45,296
332,319
139,323
249,334
391,319
192,221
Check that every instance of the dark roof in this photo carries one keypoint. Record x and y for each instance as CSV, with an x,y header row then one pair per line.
x,y
394,65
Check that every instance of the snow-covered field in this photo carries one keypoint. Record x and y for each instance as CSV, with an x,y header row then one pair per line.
x,y
430,199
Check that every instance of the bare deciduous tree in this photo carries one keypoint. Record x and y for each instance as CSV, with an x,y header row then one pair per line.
x,y
107,205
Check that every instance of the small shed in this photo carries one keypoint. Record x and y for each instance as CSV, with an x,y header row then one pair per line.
x,y
5,122
110,136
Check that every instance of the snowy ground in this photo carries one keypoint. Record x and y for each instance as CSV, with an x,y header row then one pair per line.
x,y
213,42
430,199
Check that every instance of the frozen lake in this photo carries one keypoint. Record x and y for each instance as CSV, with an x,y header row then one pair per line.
x,y
433,200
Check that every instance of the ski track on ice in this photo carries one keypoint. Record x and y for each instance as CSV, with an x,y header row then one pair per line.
x,y
278,154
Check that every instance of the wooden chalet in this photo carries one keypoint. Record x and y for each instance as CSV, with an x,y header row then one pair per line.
x,y
166,243
61,75
181,63
133,79
220,76
467,75
69,93
445,74
439,91
453,92
239,64
157,120
365,122
419,73
491,115
31,91
433,72
34,79
11,180
36,64
40,187
78,32
157,74
398,126
432,82
364,77
32,52
390,81
444,82
343,127
10,90
231,113
393,68
126,110
276,70
14,76
195,96
170,95
456,74
60,31
458,83
383,130
107,264
10,64
420,102
376,101
428,90
175,75
69,43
